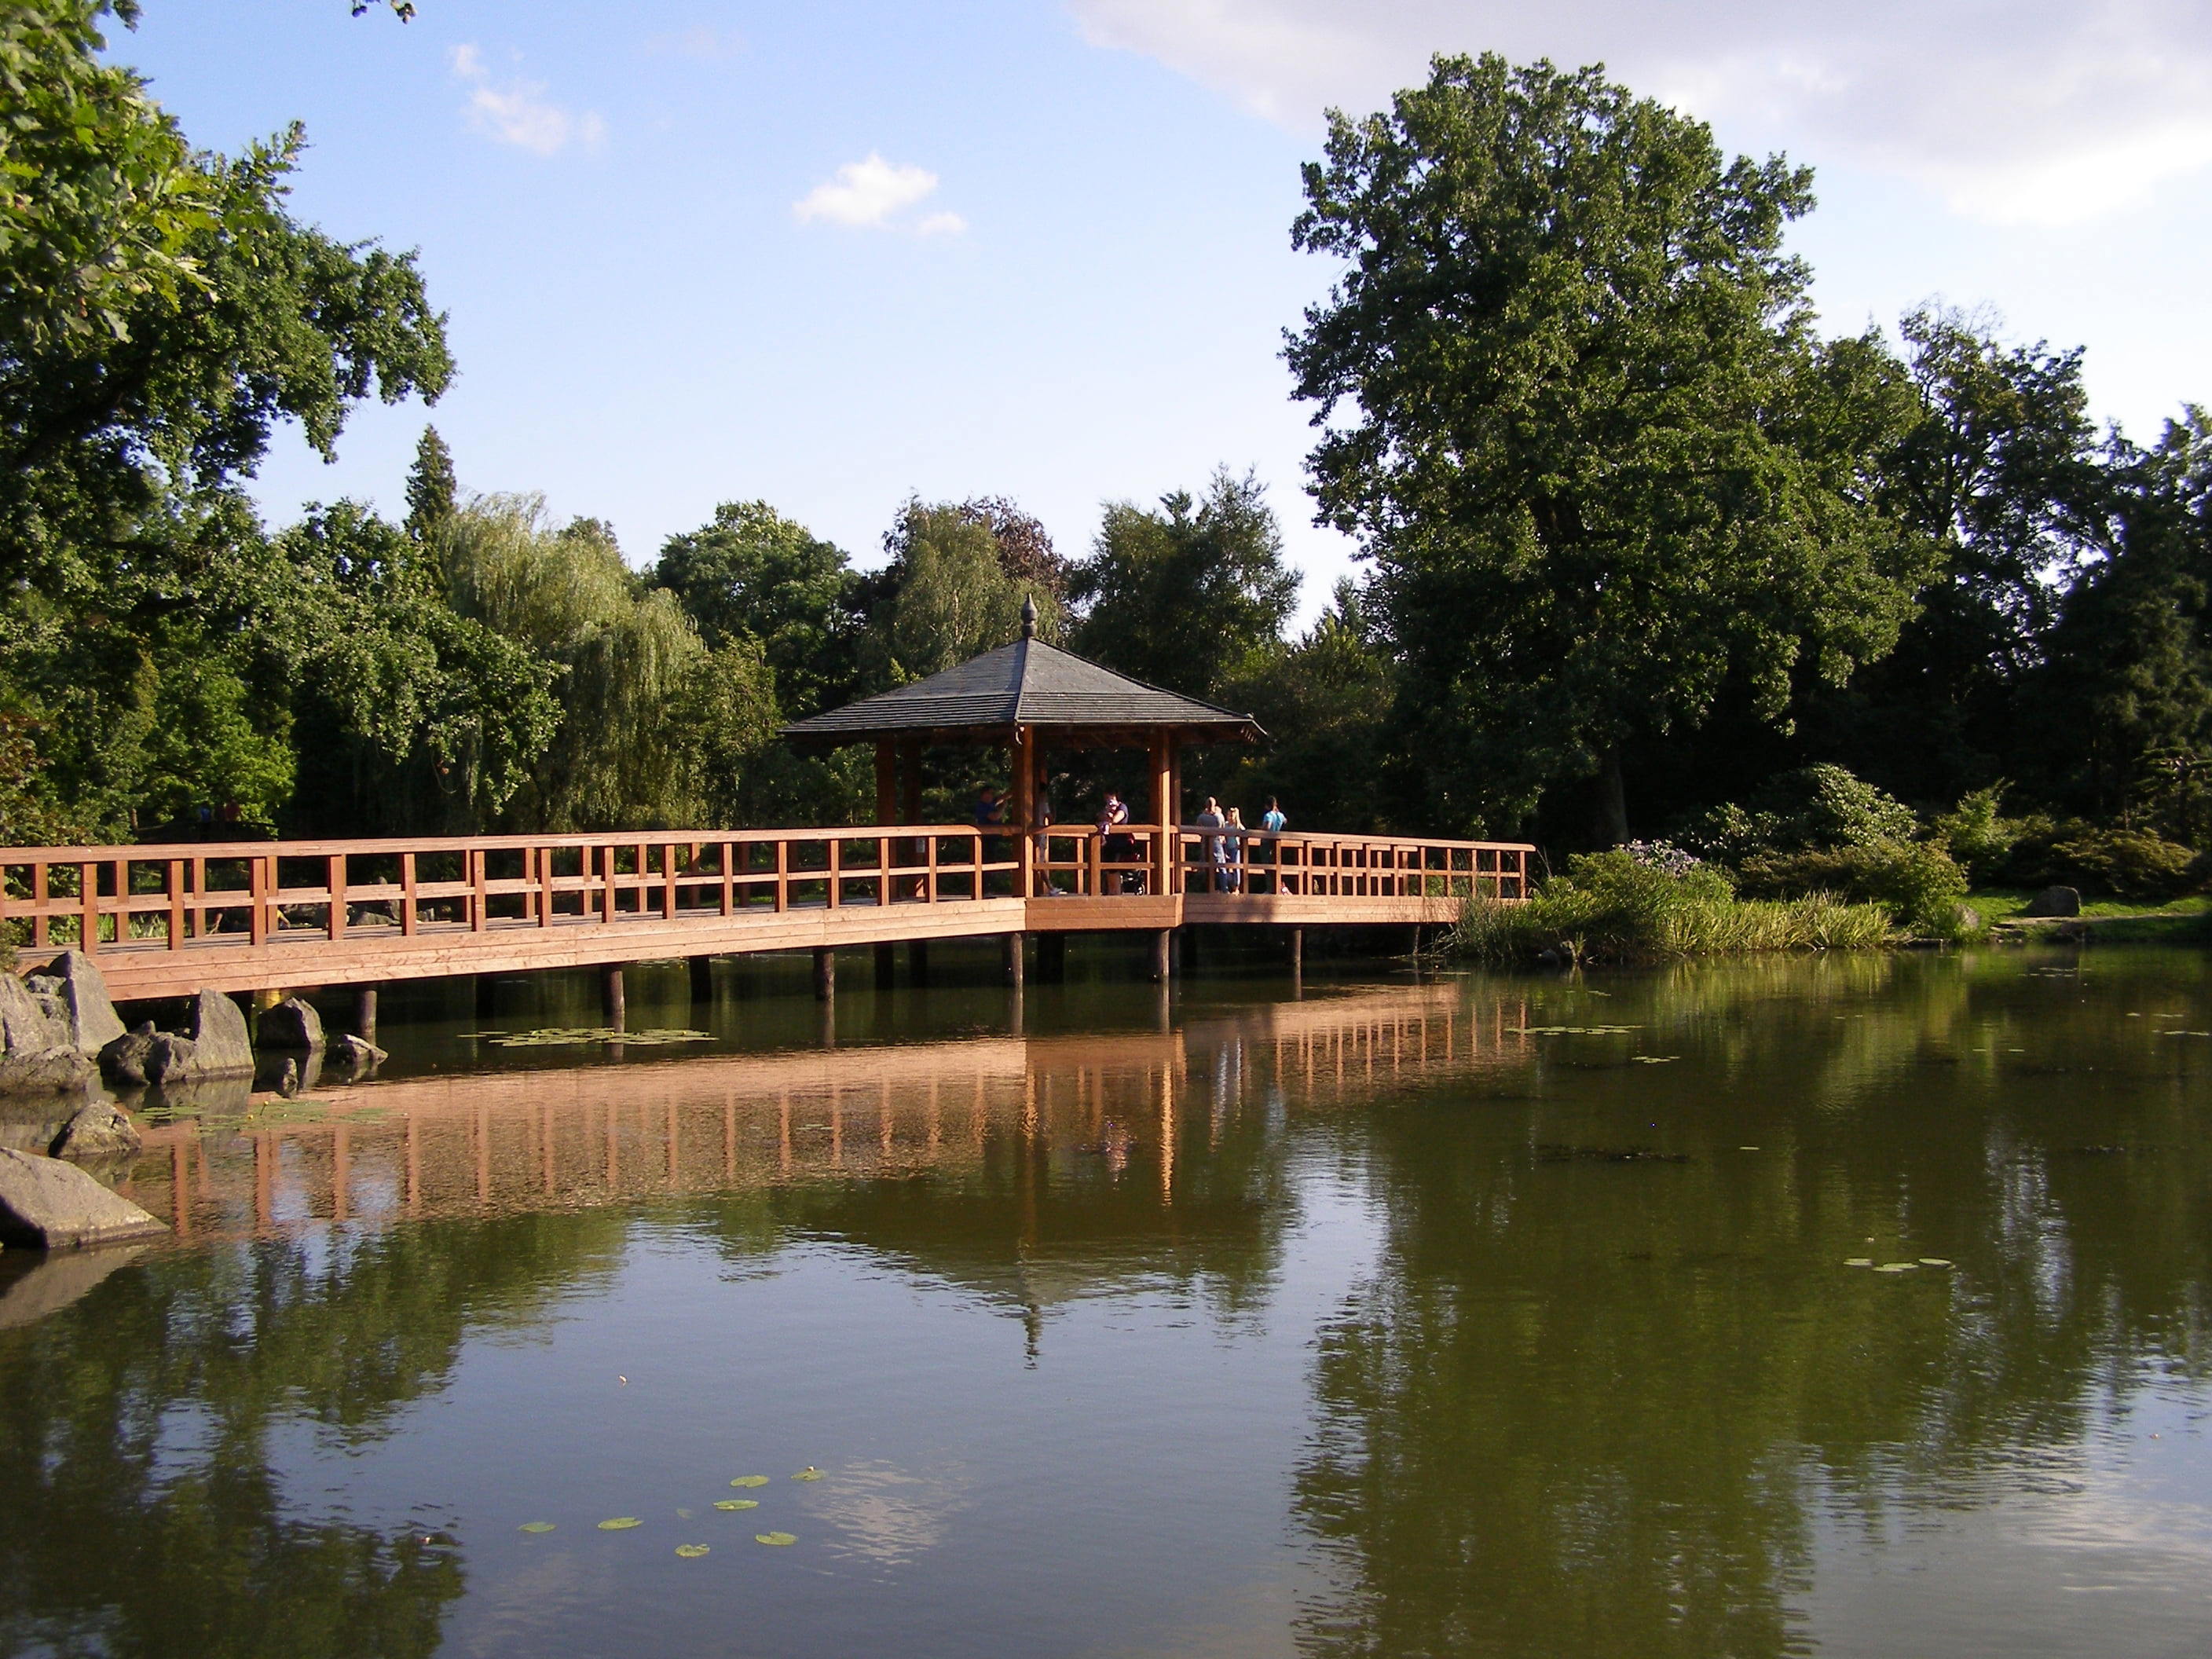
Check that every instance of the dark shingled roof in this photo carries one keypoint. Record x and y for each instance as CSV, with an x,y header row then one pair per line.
x,y
1028,682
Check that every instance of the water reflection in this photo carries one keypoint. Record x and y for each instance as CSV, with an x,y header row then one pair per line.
x,y
1523,1301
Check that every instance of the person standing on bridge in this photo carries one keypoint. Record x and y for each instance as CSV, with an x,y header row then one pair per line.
x,y
1272,824
1217,851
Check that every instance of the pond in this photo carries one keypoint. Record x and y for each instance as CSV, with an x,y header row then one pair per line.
x,y
1851,1305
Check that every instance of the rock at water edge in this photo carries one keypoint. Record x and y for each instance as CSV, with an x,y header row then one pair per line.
x,y
101,1129
2054,901
220,1045
353,1053
123,1062
84,1012
34,1059
48,1205
293,1025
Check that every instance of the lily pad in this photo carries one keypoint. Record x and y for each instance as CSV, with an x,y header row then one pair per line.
x,y
1897,1267
1859,1261
750,1481
809,1472
777,1538
535,1526
1934,1262
620,1524
737,1503
691,1552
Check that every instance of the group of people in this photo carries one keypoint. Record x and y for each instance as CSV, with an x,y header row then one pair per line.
x,y
1231,851
1228,852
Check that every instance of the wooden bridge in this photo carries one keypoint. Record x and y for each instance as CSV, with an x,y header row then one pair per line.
x,y
165,921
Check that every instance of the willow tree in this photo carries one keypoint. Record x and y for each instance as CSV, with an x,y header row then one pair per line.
x,y
1602,463
646,711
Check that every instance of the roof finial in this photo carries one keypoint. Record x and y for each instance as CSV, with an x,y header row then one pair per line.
x,y
1028,617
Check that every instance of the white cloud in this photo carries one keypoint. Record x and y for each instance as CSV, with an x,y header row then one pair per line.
x,y
2034,111
519,113
871,192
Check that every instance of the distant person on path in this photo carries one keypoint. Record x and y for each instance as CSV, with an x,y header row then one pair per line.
x,y
1216,854
1273,823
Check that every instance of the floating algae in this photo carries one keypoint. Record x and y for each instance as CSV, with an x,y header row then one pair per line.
x,y
578,1036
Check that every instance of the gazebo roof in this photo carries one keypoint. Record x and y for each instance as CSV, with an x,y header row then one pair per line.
x,y
1028,682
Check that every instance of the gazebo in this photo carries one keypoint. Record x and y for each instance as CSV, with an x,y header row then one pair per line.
x,y
1029,697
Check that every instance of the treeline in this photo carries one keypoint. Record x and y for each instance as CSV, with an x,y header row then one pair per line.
x,y
1641,543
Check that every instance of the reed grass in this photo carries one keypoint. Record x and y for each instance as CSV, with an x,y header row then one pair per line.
x,y
1609,908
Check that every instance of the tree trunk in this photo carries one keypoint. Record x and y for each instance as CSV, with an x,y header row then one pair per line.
x,y
1611,799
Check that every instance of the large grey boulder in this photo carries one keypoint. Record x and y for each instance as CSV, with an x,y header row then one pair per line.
x,y
48,1205
74,993
292,1025
123,1062
2054,901
35,1058
100,1129
217,1029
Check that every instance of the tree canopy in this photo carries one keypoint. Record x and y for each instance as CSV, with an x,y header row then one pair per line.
x,y
1600,462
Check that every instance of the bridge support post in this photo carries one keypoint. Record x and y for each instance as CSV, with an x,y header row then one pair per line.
x,y
1162,954
1014,942
702,979
612,1001
1298,943
917,961
825,974
364,1013
886,963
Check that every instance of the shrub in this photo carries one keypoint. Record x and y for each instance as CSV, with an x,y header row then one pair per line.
x,y
1815,807
1918,883
2128,863
1612,907
1976,836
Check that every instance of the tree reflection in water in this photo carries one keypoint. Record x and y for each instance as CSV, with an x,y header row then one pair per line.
x,y
1592,1406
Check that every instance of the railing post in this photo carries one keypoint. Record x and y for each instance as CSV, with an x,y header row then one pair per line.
x,y
257,886
88,899
406,895
782,875
479,901
727,852
335,880
834,849
930,855
176,904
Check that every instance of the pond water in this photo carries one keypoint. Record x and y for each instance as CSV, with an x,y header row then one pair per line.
x,y
1473,1315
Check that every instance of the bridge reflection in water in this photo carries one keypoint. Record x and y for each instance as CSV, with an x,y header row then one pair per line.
x,y
1121,1103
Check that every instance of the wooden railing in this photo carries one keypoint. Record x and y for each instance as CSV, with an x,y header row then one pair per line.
x,y
214,896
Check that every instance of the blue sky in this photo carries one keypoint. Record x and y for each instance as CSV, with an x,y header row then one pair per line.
x,y
830,255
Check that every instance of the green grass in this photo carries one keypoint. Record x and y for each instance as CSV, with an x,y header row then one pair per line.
x,y
1609,909
2003,903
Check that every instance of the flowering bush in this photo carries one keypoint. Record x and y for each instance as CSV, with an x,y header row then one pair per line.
x,y
1664,856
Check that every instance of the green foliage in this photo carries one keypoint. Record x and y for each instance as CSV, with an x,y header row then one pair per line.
x,y
2127,864
1918,883
1977,835
949,594
1610,908
1819,807
432,492
1325,702
753,574
1190,597
101,204
1603,468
